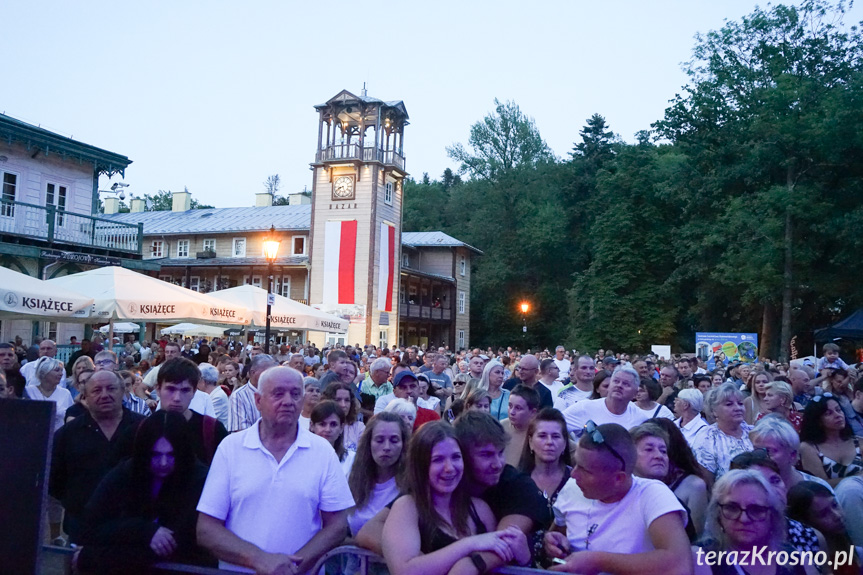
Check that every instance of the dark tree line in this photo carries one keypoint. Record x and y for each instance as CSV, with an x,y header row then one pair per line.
x,y
739,210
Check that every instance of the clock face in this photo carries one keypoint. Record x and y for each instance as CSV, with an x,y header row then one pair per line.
x,y
343,188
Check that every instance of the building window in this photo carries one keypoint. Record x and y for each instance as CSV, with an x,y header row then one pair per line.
x,y
384,338
195,283
166,279
256,281
402,297
299,245
182,248
52,330
210,246
460,339
388,193
239,249
406,261
157,248
10,184
55,195
285,287
461,302
462,265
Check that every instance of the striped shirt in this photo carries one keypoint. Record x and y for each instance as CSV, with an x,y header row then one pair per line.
x,y
243,413
136,405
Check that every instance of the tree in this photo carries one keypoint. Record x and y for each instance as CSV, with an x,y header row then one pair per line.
x,y
162,201
502,141
759,122
272,184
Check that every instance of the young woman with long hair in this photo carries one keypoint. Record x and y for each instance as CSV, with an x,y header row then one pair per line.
x,y
439,523
546,456
343,394
328,421
379,477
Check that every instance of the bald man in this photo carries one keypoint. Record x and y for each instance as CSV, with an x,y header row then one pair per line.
x,y
528,375
47,348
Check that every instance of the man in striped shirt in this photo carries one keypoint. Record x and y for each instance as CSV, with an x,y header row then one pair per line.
x,y
243,412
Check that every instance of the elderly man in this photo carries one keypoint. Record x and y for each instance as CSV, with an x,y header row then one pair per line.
x,y
376,383
581,376
563,364
438,375
616,407
297,362
47,348
276,498
243,406
528,369
83,451
209,384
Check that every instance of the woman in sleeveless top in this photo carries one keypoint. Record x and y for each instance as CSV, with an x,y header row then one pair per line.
x,y
439,523
828,448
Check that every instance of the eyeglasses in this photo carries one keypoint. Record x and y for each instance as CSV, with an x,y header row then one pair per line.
x,y
733,511
593,431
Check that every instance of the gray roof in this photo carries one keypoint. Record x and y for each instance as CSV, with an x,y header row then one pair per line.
x,y
416,272
220,220
433,240
216,262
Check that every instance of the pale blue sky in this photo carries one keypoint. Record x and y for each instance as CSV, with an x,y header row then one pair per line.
x,y
216,96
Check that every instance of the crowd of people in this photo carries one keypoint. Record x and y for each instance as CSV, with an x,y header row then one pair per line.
x,y
217,453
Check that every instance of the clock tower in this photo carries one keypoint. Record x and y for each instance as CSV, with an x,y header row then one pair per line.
x,y
356,225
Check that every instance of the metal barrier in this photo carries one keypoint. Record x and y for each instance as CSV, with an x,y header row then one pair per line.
x,y
347,559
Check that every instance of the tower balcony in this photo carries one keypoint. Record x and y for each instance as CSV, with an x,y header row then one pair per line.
x,y
353,152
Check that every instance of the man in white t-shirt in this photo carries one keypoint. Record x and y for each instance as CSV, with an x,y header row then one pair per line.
x,y
614,522
549,376
563,364
47,348
616,407
580,386
276,498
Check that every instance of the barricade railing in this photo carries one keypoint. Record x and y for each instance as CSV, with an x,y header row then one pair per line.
x,y
347,560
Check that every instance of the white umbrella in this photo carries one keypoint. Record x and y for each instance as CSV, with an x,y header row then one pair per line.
x,y
25,297
122,327
122,294
286,313
192,329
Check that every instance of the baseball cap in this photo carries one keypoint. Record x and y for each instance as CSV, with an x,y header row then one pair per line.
x,y
402,375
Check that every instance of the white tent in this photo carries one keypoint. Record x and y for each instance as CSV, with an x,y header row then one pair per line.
x,y
26,297
122,294
122,327
192,329
285,314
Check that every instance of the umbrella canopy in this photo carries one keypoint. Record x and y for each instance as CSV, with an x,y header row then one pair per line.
x,y
122,327
26,297
850,328
193,329
286,313
122,294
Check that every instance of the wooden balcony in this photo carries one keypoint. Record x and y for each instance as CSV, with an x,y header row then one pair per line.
x,y
353,152
426,312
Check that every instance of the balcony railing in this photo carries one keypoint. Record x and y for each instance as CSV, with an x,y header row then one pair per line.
x,y
417,311
366,154
51,225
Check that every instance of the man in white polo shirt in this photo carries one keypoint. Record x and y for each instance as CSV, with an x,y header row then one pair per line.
x,y
616,407
276,498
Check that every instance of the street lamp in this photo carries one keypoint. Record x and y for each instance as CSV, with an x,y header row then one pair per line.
x,y
525,307
271,251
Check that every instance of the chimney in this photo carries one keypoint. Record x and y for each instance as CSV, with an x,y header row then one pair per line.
x,y
181,201
263,200
137,205
299,199
112,205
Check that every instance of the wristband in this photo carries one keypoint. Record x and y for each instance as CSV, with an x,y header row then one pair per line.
x,y
479,563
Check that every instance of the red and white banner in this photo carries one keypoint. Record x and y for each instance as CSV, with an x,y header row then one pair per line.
x,y
340,258
386,267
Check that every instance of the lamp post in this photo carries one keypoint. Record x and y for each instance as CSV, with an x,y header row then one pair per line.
x,y
271,251
525,307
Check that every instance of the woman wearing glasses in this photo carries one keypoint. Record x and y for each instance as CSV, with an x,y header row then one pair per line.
x,y
828,448
745,513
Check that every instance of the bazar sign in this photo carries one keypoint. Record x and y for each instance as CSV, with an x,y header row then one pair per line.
x,y
88,259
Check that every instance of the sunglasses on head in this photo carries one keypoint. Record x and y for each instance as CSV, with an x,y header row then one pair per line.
x,y
826,395
596,436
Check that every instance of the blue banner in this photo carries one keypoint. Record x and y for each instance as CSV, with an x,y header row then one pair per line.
x,y
724,348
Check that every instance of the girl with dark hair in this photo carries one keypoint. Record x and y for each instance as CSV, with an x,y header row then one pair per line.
x,y
343,394
378,480
600,384
828,448
546,456
439,523
813,504
144,510
328,421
